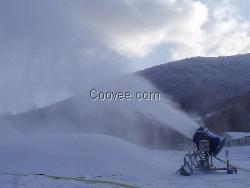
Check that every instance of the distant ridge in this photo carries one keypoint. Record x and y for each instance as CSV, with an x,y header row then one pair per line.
x,y
199,84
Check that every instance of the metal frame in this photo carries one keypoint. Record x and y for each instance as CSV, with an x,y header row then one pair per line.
x,y
202,161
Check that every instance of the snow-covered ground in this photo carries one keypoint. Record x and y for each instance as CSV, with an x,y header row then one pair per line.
x,y
103,161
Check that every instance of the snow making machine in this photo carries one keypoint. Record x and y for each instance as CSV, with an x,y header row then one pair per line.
x,y
206,148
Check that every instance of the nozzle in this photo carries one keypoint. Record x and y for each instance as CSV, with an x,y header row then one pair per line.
x,y
215,142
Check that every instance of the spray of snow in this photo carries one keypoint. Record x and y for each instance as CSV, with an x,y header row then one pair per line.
x,y
63,57
170,116
164,111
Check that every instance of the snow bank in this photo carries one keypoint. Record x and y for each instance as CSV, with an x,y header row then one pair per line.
x,y
107,158
78,155
9,132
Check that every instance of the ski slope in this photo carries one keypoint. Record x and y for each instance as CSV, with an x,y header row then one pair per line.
x,y
103,161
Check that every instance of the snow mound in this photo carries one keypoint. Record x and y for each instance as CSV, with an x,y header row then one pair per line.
x,y
6,131
77,154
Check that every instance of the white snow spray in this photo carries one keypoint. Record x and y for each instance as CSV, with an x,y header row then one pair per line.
x,y
164,110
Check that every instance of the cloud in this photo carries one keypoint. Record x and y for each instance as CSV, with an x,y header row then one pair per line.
x,y
225,33
134,28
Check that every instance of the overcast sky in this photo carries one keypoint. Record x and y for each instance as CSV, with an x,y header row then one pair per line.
x,y
48,47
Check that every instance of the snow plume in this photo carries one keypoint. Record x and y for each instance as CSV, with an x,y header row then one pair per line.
x,y
52,50
125,113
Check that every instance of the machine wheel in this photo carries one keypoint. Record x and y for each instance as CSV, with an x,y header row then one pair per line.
x,y
186,170
231,170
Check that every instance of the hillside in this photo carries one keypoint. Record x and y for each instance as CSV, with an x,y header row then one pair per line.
x,y
234,115
201,84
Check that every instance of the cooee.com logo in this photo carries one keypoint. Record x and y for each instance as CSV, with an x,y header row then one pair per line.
x,y
121,95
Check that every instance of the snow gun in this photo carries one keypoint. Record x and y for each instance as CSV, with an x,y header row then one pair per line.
x,y
207,146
